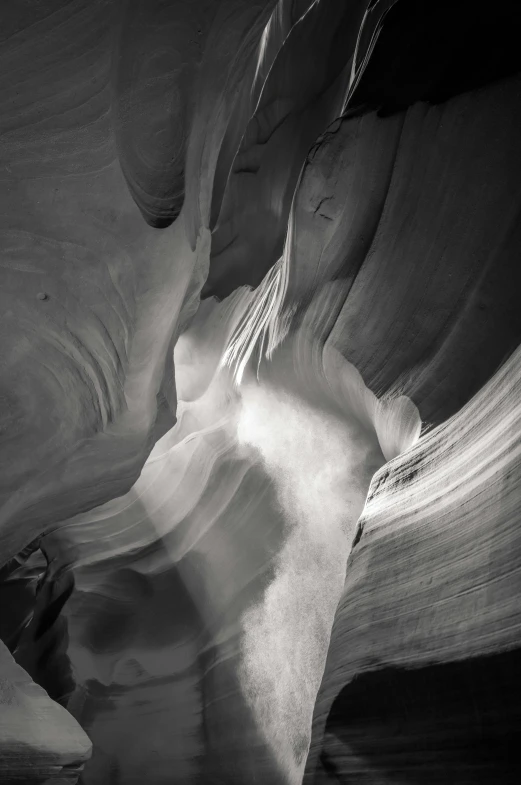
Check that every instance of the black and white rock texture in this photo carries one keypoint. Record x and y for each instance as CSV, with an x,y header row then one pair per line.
x,y
259,392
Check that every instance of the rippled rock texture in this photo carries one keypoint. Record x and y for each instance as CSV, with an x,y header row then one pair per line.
x,y
260,386
93,296
422,682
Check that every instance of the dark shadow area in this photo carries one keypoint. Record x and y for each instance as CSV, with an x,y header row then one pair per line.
x,y
431,51
42,646
453,724
19,580
32,597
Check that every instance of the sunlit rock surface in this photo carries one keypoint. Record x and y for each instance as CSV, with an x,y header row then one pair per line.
x,y
420,208
182,480
244,513
39,740
423,681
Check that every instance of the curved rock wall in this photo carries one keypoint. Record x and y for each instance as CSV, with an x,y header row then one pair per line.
x,y
419,208
190,590
422,679
92,296
175,584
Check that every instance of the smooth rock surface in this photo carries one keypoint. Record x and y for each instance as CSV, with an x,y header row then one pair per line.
x,y
190,589
86,368
175,584
304,91
39,740
421,208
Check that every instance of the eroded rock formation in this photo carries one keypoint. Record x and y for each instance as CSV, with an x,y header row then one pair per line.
x,y
39,740
260,378
421,637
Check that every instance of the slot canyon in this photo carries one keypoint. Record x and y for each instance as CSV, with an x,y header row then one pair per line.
x,y
260,392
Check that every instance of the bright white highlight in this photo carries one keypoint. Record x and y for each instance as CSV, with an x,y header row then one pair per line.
x,y
319,435
321,466
264,324
258,326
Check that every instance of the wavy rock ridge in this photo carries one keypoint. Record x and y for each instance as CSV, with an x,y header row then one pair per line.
x,y
259,534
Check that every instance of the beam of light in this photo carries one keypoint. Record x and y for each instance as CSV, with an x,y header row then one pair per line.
x,y
321,467
268,477
320,448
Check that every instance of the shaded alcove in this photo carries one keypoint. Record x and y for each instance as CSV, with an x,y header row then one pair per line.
x,y
456,723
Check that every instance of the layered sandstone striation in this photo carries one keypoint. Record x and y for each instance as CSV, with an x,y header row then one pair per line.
x,y
259,457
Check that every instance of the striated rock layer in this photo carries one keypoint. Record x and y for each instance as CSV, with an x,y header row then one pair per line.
x,y
92,297
422,682
175,584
